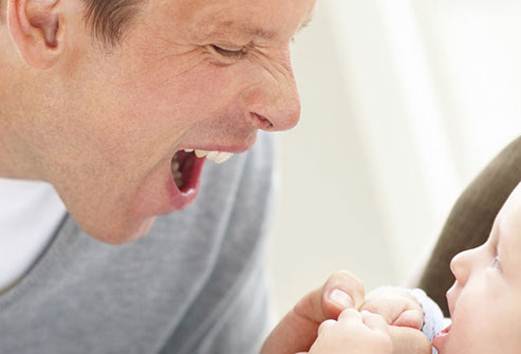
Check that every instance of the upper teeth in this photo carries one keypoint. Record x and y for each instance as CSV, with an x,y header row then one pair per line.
x,y
215,156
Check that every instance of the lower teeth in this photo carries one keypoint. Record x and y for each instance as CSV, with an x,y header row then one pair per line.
x,y
178,176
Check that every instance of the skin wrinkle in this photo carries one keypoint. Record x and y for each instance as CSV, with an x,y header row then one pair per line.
x,y
109,122
284,67
164,59
230,28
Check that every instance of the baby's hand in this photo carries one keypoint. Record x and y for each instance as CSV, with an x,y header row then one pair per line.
x,y
353,333
404,315
397,306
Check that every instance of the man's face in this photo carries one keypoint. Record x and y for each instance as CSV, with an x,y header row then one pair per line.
x,y
484,301
189,74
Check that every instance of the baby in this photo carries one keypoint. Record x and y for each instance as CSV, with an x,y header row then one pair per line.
x,y
484,303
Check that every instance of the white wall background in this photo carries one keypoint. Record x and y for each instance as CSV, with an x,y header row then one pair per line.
x,y
404,102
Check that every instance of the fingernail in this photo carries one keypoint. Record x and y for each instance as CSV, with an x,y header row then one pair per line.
x,y
341,298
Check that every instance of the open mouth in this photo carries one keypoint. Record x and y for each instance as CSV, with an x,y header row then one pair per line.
x,y
187,165
186,169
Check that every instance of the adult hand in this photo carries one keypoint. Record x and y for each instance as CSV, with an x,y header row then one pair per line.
x,y
298,329
354,333
409,341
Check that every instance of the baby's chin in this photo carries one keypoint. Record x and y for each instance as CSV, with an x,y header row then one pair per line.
x,y
453,346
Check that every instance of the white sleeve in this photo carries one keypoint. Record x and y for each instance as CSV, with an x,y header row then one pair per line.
x,y
433,321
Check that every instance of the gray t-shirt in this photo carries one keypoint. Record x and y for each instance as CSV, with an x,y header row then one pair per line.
x,y
194,285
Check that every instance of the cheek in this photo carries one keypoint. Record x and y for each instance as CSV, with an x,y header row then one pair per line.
x,y
171,104
483,319
175,83
469,334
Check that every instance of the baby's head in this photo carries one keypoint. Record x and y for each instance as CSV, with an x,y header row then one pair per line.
x,y
485,300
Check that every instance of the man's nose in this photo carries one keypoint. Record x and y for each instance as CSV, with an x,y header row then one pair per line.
x,y
275,107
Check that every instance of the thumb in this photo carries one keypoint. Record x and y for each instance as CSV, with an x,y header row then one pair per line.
x,y
298,329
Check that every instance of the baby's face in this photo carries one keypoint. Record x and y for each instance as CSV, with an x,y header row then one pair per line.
x,y
485,300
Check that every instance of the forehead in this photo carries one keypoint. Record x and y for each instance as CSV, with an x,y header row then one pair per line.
x,y
266,18
510,214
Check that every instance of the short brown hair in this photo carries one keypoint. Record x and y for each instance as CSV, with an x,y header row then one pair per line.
x,y
108,18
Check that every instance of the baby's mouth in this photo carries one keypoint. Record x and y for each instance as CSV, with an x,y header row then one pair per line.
x,y
440,339
446,330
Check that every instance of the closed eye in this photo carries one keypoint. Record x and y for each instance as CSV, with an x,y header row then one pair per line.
x,y
496,263
233,53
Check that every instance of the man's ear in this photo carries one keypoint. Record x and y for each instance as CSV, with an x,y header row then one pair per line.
x,y
36,27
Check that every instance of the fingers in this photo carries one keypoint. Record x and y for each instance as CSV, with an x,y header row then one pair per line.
x,y
410,318
386,310
350,315
370,320
397,306
298,329
409,341
342,290
325,325
375,322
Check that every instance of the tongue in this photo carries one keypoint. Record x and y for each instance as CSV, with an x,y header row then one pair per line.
x,y
186,162
181,157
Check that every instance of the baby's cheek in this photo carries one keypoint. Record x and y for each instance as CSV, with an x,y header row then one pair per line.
x,y
468,327
507,323
483,328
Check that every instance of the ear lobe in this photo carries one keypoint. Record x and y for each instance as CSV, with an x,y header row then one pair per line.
x,y
36,28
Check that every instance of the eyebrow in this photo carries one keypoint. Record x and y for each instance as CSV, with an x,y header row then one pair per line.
x,y
255,31
250,30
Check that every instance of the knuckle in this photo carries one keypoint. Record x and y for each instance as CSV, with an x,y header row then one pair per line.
x,y
371,306
347,276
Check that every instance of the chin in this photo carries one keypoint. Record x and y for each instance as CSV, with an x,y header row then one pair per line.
x,y
120,234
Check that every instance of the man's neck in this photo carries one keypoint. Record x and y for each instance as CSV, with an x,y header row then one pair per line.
x,y
14,158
